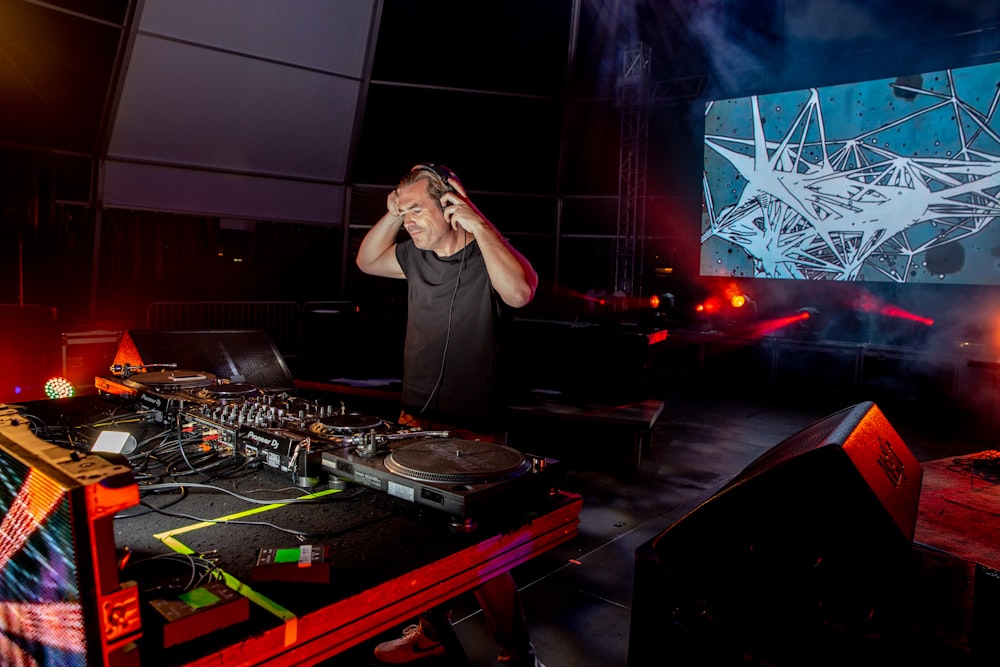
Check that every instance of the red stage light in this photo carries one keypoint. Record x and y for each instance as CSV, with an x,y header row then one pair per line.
x,y
710,305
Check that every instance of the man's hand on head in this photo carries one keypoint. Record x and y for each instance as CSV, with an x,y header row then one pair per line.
x,y
460,212
392,204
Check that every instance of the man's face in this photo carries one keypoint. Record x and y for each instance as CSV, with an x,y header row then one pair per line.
x,y
423,219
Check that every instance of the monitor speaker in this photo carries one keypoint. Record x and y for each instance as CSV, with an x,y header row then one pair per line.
x,y
803,558
246,356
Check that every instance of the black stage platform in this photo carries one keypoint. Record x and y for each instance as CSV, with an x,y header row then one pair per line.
x,y
345,561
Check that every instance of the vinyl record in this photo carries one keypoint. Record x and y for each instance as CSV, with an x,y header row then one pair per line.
x,y
175,379
228,391
347,424
456,461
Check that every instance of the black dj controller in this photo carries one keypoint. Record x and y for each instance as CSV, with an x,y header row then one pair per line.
x,y
317,442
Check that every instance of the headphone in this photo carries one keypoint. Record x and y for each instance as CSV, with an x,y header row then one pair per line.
x,y
443,173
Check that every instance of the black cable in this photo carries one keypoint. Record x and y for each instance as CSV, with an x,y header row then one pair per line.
x,y
268,524
180,439
165,488
447,338
985,466
150,509
211,487
149,572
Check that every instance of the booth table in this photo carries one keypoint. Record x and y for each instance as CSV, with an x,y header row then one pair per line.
x,y
389,560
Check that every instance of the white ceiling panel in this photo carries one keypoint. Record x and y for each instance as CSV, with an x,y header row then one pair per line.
x,y
330,35
158,188
254,89
189,105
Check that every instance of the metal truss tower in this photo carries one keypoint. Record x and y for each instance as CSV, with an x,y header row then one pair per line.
x,y
633,102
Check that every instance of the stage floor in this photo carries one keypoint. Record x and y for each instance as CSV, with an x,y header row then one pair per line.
x,y
578,596
959,510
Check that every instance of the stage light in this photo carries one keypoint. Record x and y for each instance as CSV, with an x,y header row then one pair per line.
x,y
664,301
58,387
733,309
806,322
807,315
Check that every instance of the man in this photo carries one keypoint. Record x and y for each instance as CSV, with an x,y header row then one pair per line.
x,y
462,275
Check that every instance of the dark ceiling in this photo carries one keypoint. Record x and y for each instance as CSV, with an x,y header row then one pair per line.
x,y
303,111
67,66
57,65
57,62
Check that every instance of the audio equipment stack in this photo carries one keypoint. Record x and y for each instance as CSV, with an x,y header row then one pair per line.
x,y
316,443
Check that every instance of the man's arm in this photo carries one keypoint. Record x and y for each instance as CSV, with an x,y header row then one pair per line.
x,y
511,274
377,254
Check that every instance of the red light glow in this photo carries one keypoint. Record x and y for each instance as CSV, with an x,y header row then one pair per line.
x,y
657,337
869,303
710,305
894,311
770,326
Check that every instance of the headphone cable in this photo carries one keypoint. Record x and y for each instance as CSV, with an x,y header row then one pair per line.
x,y
447,338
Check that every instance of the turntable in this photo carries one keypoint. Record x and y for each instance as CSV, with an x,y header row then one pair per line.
x,y
155,381
454,461
464,478
169,380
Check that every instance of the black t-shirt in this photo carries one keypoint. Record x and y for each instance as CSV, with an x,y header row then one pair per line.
x,y
451,359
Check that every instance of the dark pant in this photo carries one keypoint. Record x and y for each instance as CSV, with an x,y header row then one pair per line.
x,y
498,597
504,614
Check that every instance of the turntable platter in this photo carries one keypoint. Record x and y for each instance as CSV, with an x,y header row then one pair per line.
x,y
455,461
175,379
346,424
229,391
